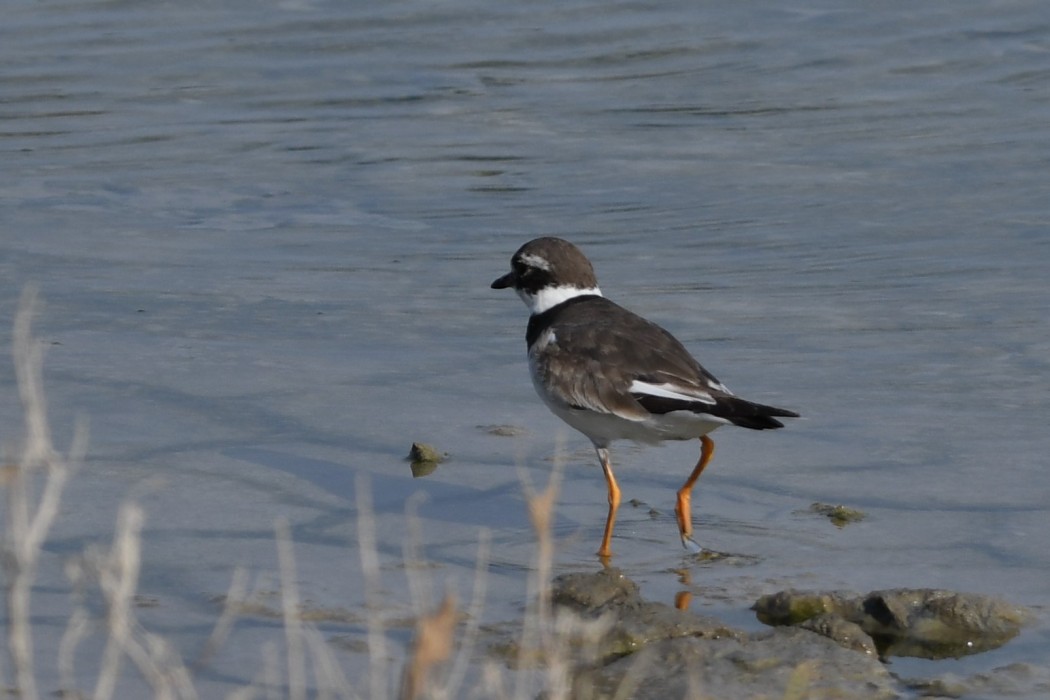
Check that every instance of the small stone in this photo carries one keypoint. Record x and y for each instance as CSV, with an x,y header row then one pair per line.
x,y
425,458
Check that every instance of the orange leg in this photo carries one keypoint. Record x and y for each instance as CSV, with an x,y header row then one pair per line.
x,y
614,501
685,494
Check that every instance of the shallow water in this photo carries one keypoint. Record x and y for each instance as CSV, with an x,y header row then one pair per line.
x,y
263,235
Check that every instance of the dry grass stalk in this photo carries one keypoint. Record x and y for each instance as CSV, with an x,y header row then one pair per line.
x,y
29,518
332,682
119,579
303,641
293,629
153,657
434,642
561,638
369,554
76,629
233,603
456,674
432,645
271,674
536,632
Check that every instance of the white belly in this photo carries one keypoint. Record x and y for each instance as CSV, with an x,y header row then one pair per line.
x,y
603,428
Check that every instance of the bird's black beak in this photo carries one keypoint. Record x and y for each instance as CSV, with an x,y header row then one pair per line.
x,y
505,281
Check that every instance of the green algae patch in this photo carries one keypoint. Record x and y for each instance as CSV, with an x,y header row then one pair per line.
x,y
839,515
793,607
502,430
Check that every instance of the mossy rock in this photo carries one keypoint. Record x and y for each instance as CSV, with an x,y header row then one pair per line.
x,y
425,458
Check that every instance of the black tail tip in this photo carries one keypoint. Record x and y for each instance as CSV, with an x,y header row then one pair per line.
x,y
765,419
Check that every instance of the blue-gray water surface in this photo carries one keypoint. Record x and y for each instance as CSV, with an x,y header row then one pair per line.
x,y
263,235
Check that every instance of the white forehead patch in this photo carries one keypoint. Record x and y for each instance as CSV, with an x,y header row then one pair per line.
x,y
540,263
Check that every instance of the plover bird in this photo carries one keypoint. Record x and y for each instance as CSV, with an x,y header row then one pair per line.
x,y
613,375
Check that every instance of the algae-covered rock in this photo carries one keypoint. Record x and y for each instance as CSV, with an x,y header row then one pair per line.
x,y
424,458
634,623
936,624
792,607
829,645
590,594
922,622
